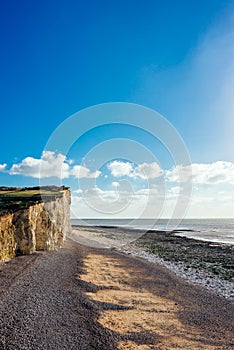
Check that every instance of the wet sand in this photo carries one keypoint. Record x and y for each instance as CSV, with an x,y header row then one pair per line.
x,y
95,298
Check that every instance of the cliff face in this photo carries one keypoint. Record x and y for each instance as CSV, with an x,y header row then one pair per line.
x,y
41,226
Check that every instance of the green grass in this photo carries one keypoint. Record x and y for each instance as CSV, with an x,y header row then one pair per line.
x,y
13,199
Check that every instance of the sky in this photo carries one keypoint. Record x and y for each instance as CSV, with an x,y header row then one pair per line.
x,y
160,75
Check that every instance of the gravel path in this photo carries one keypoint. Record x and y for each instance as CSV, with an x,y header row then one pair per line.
x,y
44,305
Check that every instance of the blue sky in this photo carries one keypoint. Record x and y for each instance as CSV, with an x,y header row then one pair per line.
x,y
175,57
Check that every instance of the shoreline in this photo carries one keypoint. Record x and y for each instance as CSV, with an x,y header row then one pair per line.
x,y
207,230
183,232
137,243
191,275
92,298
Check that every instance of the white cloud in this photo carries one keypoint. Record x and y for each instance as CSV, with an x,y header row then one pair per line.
x,y
213,193
143,192
97,202
179,173
206,201
70,161
108,196
174,191
213,173
50,164
144,170
148,171
81,172
3,167
79,191
119,168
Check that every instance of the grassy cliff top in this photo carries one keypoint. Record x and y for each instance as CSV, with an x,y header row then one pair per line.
x,y
13,198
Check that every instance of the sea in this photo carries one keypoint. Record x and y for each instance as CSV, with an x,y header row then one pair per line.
x,y
211,230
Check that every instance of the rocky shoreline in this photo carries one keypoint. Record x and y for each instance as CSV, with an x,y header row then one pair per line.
x,y
205,263
192,275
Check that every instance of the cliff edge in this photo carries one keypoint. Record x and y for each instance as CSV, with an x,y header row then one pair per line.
x,y
32,219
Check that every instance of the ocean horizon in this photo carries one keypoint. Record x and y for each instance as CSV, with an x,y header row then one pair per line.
x,y
211,230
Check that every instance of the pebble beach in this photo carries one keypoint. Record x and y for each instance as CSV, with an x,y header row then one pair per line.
x,y
137,244
100,292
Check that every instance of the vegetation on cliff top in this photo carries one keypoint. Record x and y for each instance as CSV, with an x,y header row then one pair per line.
x,y
13,198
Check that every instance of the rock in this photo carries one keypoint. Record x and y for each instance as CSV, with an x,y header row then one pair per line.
x,y
41,226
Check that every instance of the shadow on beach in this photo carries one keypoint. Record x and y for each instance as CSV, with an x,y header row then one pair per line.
x,y
87,298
